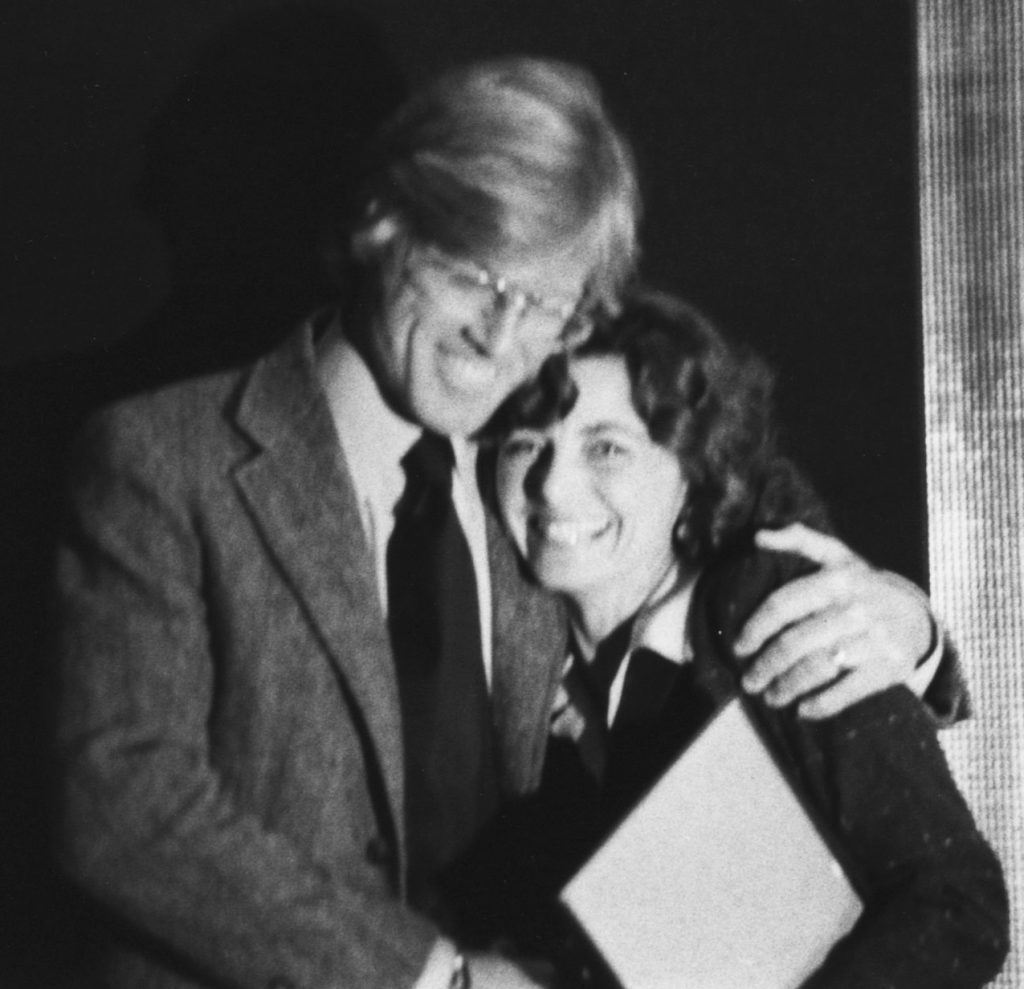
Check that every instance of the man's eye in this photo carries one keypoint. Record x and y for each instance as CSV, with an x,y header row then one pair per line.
x,y
466,281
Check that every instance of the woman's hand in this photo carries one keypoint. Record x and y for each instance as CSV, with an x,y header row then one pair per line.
x,y
834,636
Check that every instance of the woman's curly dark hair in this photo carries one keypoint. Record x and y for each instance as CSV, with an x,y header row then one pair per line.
x,y
709,402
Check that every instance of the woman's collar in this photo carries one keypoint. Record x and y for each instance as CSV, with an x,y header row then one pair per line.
x,y
660,624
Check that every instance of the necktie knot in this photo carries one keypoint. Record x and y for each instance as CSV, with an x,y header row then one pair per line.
x,y
428,472
600,672
430,459
649,679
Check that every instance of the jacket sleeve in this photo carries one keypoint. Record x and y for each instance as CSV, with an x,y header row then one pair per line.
x,y
936,910
947,698
147,825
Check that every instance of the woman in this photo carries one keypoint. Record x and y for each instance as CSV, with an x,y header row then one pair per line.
x,y
632,477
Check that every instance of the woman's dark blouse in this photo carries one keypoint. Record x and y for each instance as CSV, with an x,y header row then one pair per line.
x,y
936,907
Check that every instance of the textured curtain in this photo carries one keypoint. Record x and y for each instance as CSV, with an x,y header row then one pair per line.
x,y
971,128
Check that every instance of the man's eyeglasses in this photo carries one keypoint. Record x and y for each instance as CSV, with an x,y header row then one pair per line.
x,y
543,318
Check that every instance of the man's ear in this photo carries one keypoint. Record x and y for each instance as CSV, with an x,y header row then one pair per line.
x,y
375,238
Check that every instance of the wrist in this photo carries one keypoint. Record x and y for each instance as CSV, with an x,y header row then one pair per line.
x,y
933,641
460,977
439,966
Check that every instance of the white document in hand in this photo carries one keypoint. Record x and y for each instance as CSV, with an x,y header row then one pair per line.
x,y
718,879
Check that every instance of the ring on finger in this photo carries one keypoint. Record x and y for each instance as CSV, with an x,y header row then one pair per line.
x,y
842,660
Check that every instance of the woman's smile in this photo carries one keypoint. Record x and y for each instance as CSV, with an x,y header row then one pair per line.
x,y
568,533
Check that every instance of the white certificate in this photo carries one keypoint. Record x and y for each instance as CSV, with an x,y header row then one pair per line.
x,y
718,879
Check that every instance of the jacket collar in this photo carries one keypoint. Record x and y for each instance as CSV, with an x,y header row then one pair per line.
x,y
530,633
297,488
300,493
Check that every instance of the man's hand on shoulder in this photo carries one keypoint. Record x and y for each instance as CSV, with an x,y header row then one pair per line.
x,y
834,636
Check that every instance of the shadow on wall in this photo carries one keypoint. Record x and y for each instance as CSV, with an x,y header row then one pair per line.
x,y
244,166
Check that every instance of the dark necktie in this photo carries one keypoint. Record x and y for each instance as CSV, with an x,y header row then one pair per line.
x,y
600,672
435,634
662,707
645,689
587,686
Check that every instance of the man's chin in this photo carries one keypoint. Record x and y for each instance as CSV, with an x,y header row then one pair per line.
x,y
456,419
466,374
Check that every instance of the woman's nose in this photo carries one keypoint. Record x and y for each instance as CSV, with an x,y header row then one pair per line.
x,y
549,479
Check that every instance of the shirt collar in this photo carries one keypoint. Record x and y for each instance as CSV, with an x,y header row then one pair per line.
x,y
374,433
661,626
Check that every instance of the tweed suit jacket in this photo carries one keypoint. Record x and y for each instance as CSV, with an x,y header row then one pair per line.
x,y
229,733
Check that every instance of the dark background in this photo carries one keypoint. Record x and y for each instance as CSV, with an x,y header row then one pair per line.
x,y
164,173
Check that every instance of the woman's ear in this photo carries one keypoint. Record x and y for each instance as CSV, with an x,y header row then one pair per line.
x,y
682,527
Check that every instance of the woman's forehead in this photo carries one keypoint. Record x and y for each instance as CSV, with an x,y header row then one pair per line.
x,y
598,375
605,391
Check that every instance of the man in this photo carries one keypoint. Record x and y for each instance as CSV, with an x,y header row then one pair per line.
x,y
235,735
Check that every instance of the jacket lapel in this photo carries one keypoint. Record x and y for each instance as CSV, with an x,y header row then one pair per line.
x,y
302,500
530,641
300,496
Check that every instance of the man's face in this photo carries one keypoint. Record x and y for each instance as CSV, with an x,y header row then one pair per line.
x,y
453,339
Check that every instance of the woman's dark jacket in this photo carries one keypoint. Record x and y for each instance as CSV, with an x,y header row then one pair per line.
x,y
936,905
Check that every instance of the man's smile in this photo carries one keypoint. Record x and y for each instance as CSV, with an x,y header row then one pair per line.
x,y
466,370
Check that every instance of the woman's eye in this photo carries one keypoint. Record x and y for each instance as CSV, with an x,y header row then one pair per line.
x,y
520,446
607,451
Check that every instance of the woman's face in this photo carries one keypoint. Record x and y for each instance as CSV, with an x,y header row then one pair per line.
x,y
592,501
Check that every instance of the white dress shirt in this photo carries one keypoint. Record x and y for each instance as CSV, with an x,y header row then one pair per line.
x,y
660,627
374,439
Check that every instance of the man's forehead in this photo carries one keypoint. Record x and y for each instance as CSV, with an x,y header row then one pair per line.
x,y
559,271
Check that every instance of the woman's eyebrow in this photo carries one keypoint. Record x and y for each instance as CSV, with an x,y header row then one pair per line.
x,y
611,426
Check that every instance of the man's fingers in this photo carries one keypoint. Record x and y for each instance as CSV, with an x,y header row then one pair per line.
x,y
841,694
793,604
818,635
829,680
809,543
811,674
830,638
836,639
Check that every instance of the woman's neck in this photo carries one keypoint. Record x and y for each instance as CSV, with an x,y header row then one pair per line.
x,y
594,617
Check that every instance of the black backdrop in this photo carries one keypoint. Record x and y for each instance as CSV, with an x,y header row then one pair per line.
x,y
163,173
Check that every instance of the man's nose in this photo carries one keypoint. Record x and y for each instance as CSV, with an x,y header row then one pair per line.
x,y
501,324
